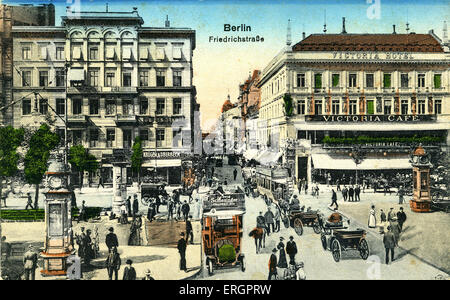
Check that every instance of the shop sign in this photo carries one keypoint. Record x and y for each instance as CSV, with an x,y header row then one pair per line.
x,y
371,118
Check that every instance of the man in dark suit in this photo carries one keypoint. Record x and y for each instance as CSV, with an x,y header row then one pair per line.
x,y
185,209
182,250
111,239
351,192
389,244
357,192
235,172
401,218
189,232
291,250
273,265
135,205
113,263
129,273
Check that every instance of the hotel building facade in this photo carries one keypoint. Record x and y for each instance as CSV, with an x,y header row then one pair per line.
x,y
119,80
359,102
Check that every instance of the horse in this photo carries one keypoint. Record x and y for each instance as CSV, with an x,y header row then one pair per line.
x,y
259,234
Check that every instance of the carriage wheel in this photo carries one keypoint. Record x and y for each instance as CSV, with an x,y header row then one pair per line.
x,y
363,249
286,222
298,226
242,264
316,227
210,267
323,238
336,250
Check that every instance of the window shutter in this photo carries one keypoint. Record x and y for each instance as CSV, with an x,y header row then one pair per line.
x,y
44,52
110,53
126,53
169,137
176,52
169,107
160,54
76,53
152,106
144,53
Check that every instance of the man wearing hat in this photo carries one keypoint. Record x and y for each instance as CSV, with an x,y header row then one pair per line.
x,y
273,265
135,205
111,239
389,242
129,273
113,263
29,201
182,250
30,263
291,250
148,275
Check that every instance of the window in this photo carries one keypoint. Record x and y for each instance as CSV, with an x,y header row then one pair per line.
x,y
93,106
404,80
93,77
77,137
369,80
43,52
318,81
26,52
301,109
143,78
110,107
143,106
437,81
127,107
335,80
404,107
43,106
352,80
160,78
76,52
438,107
160,136
76,106
421,80
352,107
176,52
43,78
318,107
176,78
301,80
110,78
93,137
177,106
127,137
143,134
387,107
26,78
61,106
93,53
60,53
335,107
387,80
421,107
110,137
26,107
127,79
160,106
126,54
60,77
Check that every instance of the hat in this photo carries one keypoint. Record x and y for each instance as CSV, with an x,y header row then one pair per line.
x,y
147,272
281,238
274,250
30,246
291,237
182,234
111,229
129,262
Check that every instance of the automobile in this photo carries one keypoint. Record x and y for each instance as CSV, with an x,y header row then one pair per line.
x,y
150,191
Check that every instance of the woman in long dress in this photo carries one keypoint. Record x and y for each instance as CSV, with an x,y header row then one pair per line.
x,y
282,262
372,219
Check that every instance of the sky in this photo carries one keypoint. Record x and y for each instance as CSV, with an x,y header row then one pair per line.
x,y
220,67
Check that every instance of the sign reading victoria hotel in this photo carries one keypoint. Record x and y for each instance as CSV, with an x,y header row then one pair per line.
x,y
372,55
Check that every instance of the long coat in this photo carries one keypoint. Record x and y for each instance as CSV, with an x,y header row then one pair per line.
x,y
389,240
291,248
129,273
269,217
282,262
113,261
273,263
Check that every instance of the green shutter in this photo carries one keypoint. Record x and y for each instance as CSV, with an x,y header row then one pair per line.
x,y
335,80
387,80
437,80
370,108
318,81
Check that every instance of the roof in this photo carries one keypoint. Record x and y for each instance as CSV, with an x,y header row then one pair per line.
x,y
370,42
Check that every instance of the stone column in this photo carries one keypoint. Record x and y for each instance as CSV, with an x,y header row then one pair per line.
x,y
119,188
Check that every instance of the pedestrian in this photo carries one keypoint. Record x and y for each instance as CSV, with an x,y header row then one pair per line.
x,y
389,244
135,232
291,250
170,208
113,263
151,211
395,227
185,209
129,273
128,204
260,221
148,275
235,172
30,259
334,199
135,205
357,193
273,265
81,238
391,214
6,249
157,203
372,220
338,185
401,217
82,213
29,201
268,216
277,217
316,190
401,194
189,232
88,250
299,186
345,193
306,186
111,239
351,193
382,221
123,214
182,250
282,262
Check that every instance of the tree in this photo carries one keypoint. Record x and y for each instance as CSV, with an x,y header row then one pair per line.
x,y
137,157
82,160
41,143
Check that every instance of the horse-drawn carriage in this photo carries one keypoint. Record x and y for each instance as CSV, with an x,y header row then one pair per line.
x,y
299,218
340,239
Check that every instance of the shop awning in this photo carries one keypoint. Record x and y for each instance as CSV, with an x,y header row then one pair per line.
x,y
161,163
250,154
75,75
327,162
268,157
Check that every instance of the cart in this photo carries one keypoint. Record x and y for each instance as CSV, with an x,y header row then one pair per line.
x,y
299,218
150,191
343,240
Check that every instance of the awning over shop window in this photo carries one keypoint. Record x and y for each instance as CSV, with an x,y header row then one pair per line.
x,y
161,163
75,74
250,154
268,157
327,162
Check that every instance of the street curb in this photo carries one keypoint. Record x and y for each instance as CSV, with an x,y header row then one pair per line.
x,y
377,235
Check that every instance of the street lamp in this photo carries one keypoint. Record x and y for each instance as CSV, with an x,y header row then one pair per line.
x,y
358,156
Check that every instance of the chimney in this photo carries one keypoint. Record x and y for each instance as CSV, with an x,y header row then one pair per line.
x,y
167,23
303,35
393,26
343,25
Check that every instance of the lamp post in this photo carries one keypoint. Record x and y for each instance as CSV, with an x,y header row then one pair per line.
x,y
420,161
357,155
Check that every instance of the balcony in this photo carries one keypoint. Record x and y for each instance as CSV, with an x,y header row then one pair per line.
x,y
74,120
126,119
119,89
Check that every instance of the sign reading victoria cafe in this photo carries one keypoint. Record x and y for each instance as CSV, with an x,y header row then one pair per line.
x,y
370,118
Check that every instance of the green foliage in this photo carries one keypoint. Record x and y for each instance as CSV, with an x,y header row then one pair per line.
x,y
10,139
362,139
41,143
288,106
227,253
82,160
137,157
23,214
